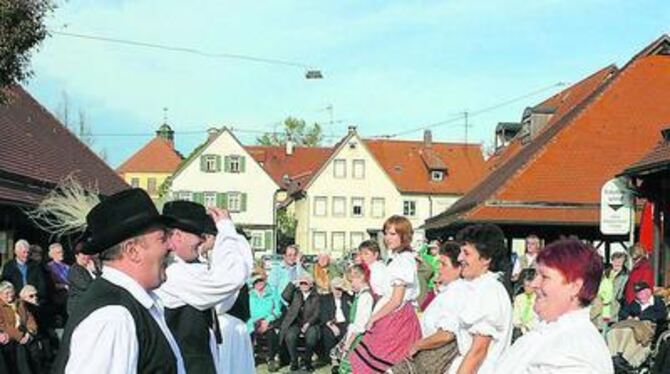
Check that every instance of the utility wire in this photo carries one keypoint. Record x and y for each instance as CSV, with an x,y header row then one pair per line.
x,y
460,116
180,49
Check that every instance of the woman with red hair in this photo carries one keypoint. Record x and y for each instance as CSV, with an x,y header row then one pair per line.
x,y
394,326
565,341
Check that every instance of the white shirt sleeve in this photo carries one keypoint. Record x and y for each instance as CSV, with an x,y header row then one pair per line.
x,y
484,316
363,314
105,342
202,287
401,270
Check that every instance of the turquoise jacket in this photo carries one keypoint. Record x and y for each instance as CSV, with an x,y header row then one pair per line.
x,y
281,275
266,306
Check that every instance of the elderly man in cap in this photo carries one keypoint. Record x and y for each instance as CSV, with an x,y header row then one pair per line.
x,y
193,288
301,319
118,325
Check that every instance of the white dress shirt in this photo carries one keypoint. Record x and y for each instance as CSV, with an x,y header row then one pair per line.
x,y
339,314
442,313
379,282
362,315
106,340
217,283
203,286
571,344
487,312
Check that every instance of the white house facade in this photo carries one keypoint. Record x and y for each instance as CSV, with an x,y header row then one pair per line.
x,y
223,174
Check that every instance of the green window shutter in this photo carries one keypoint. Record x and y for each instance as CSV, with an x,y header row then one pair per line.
x,y
199,197
243,202
221,200
203,163
218,163
226,164
268,239
242,164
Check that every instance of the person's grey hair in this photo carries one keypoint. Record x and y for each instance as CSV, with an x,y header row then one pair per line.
x,y
6,285
22,243
54,246
114,252
27,288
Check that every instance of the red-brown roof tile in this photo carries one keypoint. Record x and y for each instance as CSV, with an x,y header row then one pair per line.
x,y
658,158
563,103
404,162
157,156
36,147
569,162
299,166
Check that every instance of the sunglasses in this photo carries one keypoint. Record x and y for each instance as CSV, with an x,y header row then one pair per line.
x,y
304,283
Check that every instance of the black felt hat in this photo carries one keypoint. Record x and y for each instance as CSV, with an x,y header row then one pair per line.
x,y
187,215
120,217
640,285
210,226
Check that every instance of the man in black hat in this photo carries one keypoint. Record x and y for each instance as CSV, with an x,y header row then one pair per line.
x,y
193,288
118,325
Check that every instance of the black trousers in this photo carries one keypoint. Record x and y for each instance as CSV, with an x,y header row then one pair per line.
x,y
329,340
271,339
16,358
311,340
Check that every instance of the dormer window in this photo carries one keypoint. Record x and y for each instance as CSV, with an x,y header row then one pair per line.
x,y
437,175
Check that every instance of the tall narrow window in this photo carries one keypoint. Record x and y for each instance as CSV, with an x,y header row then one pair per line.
x,y
320,206
357,206
409,208
358,171
339,206
340,168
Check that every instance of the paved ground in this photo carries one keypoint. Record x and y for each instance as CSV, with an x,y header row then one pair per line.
x,y
263,369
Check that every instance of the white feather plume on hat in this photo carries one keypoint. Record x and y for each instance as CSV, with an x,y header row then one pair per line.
x,y
63,211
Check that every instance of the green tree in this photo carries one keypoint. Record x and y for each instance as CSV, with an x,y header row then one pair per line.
x,y
297,130
21,29
286,224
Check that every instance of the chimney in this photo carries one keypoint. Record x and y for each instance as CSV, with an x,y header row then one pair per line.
x,y
289,146
427,139
212,132
351,129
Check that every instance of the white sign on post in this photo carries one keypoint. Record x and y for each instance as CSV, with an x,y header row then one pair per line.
x,y
615,208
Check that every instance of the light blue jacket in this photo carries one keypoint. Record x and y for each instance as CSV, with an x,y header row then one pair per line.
x,y
266,306
281,275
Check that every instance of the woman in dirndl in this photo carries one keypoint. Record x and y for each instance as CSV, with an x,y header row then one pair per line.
x,y
394,325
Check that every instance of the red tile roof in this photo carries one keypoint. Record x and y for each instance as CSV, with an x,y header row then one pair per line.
x,y
157,156
563,103
299,166
36,150
568,163
657,159
407,163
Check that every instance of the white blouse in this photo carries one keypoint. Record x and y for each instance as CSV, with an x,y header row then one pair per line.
x,y
443,311
488,312
402,271
379,282
571,344
362,315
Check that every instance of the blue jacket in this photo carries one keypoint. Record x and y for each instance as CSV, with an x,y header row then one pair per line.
x,y
266,306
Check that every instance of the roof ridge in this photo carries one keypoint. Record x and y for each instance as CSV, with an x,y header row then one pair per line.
x,y
524,155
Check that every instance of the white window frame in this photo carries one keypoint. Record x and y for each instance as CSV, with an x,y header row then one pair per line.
x,y
321,234
234,197
358,172
353,238
338,240
135,182
185,195
209,199
339,168
257,240
354,200
210,163
409,208
235,163
375,202
318,202
437,175
342,211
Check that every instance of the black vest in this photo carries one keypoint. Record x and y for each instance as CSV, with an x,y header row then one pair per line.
x,y
190,328
155,354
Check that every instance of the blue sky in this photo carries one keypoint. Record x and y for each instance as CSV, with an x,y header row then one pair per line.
x,y
388,66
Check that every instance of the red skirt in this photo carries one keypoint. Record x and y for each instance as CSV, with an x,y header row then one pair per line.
x,y
387,342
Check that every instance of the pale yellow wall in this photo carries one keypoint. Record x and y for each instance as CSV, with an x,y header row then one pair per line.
x,y
144,181
375,184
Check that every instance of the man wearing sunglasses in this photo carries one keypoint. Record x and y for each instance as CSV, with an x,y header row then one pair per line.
x,y
301,320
